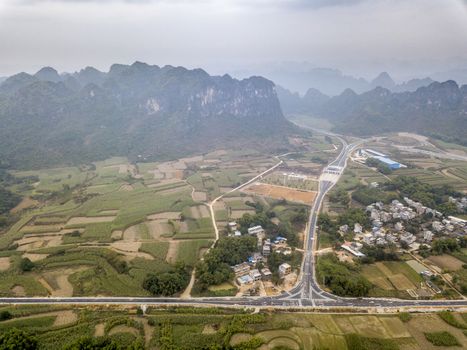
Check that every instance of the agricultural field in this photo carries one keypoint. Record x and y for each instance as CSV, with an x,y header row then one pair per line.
x,y
394,278
297,181
281,192
197,328
101,228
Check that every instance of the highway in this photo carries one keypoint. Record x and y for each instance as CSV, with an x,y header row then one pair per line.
x,y
307,292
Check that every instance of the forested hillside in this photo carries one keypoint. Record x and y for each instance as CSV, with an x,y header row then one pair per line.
x,y
140,111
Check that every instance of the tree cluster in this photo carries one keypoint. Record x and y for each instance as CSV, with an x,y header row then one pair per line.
x,y
341,278
167,283
215,268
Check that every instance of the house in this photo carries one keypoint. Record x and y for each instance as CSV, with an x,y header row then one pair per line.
x,y
284,269
267,274
344,229
241,269
255,258
232,226
245,279
369,239
255,274
352,250
398,226
255,230
237,233
408,238
280,240
357,228
427,236
267,247
437,226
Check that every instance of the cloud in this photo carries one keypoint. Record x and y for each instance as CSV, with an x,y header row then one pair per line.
x,y
292,4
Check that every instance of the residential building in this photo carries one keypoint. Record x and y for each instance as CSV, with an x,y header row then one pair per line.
x,y
245,279
284,269
241,269
255,230
357,228
267,274
255,274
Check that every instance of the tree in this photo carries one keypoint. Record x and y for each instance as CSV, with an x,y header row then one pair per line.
x,y
444,245
26,265
167,283
5,315
17,339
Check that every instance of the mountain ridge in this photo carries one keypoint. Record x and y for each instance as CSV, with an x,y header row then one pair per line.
x,y
438,110
138,110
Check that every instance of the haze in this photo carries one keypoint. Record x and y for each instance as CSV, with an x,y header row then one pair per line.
x,y
406,38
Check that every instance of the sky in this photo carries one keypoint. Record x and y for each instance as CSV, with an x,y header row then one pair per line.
x,y
361,37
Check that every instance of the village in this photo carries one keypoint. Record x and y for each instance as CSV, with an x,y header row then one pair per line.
x,y
253,276
388,226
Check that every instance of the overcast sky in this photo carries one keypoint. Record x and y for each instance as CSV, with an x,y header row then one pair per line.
x,y
362,37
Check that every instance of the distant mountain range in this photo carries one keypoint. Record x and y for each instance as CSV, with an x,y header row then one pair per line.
x,y
138,110
438,110
333,82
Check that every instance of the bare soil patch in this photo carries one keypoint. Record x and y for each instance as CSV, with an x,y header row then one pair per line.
x,y
35,257
199,196
131,234
36,242
446,262
126,187
279,192
5,263
172,253
158,228
25,203
19,291
65,317
56,281
117,234
82,220
99,330
126,246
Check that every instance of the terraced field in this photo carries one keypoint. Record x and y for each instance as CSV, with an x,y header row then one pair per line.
x,y
189,328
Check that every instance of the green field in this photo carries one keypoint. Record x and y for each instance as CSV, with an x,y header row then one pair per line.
x,y
191,328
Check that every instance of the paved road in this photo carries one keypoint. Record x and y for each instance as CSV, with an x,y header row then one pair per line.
x,y
307,292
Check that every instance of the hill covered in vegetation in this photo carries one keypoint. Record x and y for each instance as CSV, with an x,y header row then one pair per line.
x,y
139,110
438,110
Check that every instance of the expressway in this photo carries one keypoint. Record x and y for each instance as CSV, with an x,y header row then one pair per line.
x,y
306,293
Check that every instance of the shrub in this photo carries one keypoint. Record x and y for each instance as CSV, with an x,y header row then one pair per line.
x,y
17,339
405,316
442,339
449,318
26,265
5,315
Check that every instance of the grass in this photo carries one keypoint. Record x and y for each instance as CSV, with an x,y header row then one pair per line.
x,y
31,323
357,342
189,250
405,316
451,319
442,339
156,249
